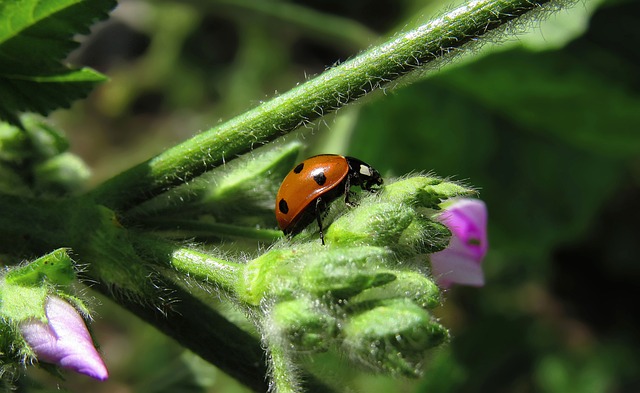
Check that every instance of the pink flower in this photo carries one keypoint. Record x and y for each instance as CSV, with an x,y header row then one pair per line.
x,y
460,262
64,341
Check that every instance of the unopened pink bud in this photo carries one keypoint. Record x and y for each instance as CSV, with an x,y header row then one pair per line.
x,y
64,340
460,263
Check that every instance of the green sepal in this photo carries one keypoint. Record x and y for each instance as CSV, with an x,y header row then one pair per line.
x,y
392,336
424,191
18,303
45,140
400,216
408,284
315,269
272,273
55,267
34,160
345,272
423,236
64,174
21,302
305,324
372,223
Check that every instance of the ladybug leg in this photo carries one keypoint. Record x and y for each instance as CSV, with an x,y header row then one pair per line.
x,y
319,217
348,193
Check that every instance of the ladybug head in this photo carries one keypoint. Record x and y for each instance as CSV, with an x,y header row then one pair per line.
x,y
363,174
372,179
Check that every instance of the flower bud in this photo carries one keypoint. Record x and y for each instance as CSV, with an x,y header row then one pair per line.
x,y
392,336
63,340
37,324
371,223
272,274
63,174
423,236
316,269
304,324
460,262
344,272
423,191
400,217
408,284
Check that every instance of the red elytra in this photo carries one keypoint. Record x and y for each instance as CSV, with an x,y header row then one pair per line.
x,y
316,182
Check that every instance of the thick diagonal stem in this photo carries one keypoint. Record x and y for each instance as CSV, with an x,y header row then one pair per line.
x,y
329,91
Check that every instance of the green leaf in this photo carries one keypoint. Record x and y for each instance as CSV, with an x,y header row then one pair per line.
x,y
35,36
560,95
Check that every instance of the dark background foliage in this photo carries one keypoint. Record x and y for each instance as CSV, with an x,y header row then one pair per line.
x,y
546,126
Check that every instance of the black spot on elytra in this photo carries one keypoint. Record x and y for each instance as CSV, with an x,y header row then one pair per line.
x,y
299,168
282,205
320,178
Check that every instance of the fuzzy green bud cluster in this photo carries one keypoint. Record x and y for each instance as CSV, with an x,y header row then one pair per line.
x,y
367,292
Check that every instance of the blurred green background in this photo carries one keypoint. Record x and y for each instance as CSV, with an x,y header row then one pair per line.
x,y
545,124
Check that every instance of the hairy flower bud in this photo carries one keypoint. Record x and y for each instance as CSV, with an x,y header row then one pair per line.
x,y
64,174
314,269
63,340
408,284
424,191
373,223
460,262
392,336
344,272
367,290
37,324
304,323
399,217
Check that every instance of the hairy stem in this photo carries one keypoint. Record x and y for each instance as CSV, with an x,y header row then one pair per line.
x,y
205,332
40,226
329,91
203,267
284,378
193,228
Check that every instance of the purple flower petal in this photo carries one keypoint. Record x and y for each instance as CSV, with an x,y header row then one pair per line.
x,y
64,341
460,263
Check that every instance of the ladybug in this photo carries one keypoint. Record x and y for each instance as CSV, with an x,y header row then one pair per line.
x,y
316,182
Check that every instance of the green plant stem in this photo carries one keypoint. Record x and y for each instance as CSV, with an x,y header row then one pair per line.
x,y
205,332
199,229
32,227
212,337
329,91
191,263
282,374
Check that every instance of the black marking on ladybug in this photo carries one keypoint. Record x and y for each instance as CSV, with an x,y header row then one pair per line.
x,y
299,168
319,178
282,205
